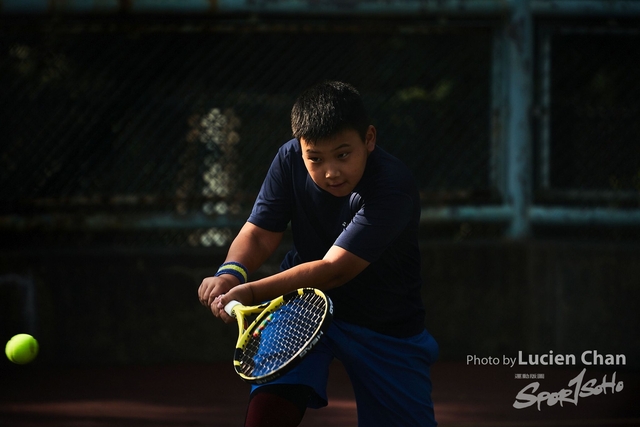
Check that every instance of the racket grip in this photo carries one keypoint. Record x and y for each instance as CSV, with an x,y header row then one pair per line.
x,y
229,308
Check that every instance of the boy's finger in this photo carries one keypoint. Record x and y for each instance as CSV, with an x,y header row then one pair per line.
x,y
222,301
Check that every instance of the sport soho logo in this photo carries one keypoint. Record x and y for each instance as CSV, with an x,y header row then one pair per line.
x,y
577,388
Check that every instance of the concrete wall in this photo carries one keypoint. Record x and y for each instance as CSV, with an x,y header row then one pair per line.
x,y
495,299
483,298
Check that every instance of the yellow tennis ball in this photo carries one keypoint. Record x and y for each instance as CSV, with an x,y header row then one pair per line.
x,y
21,349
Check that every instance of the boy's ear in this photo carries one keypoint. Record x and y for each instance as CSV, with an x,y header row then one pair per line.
x,y
370,138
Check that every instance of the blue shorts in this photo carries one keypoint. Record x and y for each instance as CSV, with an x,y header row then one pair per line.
x,y
390,376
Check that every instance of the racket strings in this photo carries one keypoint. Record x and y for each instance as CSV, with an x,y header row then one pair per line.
x,y
282,335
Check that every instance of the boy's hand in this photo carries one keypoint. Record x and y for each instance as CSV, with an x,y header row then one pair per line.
x,y
212,287
241,293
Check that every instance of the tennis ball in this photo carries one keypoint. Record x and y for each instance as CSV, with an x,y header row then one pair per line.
x,y
21,349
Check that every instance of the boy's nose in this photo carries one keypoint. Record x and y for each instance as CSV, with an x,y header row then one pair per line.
x,y
332,173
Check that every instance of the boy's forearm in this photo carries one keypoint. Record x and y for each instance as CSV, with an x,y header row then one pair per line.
x,y
330,272
301,276
253,246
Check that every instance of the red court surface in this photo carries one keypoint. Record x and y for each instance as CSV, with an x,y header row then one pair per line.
x,y
212,395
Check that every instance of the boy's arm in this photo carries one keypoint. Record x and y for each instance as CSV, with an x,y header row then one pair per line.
x,y
336,268
251,247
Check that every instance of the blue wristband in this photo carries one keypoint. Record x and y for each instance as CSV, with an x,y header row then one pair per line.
x,y
235,269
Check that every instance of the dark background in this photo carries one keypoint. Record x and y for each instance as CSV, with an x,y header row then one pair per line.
x,y
132,146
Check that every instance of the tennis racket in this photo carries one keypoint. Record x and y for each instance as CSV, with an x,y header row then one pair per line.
x,y
282,334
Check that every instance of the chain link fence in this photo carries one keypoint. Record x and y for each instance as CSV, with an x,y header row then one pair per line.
x,y
590,141
148,132
141,119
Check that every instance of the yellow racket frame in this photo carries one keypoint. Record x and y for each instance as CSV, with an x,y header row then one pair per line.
x,y
242,312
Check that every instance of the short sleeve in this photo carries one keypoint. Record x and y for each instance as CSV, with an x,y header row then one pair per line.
x,y
376,225
273,206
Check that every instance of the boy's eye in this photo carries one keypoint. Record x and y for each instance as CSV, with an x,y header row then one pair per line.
x,y
314,159
343,155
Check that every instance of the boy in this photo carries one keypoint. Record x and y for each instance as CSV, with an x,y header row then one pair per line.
x,y
354,212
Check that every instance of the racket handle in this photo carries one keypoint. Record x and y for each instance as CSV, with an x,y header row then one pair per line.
x,y
229,308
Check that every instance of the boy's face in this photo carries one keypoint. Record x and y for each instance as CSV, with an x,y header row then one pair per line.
x,y
336,164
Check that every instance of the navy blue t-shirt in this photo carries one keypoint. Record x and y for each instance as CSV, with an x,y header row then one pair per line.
x,y
378,222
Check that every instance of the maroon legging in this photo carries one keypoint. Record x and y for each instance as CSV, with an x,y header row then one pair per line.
x,y
278,405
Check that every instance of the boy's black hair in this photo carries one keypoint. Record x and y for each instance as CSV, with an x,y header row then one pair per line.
x,y
326,109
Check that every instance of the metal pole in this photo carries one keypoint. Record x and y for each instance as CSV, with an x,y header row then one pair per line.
x,y
518,36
